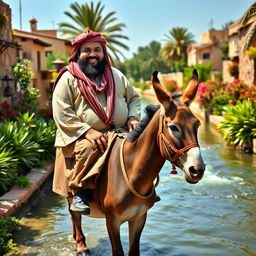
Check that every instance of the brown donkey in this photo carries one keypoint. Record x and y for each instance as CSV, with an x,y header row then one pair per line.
x,y
126,189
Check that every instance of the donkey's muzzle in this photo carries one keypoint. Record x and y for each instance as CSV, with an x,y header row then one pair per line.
x,y
194,174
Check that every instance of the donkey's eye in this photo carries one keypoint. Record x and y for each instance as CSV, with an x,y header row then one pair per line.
x,y
173,128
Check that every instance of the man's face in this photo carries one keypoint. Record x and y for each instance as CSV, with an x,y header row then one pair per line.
x,y
91,52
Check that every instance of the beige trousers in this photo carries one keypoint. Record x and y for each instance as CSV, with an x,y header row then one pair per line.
x,y
77,166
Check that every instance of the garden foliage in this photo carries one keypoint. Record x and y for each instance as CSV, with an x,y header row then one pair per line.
x,y
239,124
204,72
7,226
237,102
28,95
214,96
28,139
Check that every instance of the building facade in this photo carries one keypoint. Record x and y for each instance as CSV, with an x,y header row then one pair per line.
x,y
8,54
209,49
247,65
35,46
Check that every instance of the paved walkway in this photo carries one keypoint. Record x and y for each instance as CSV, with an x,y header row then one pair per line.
x,y
16,197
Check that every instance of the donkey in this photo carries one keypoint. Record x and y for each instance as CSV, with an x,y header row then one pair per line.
x,y
125,189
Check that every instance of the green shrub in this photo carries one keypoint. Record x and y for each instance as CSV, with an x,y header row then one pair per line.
x,y
42,132
204,72
51,57
28,96
8,165
239,124
18,139
23,181
218,104
7,226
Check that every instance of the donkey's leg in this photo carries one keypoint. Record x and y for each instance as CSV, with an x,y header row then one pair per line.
x,y
78,235
136,226
113,226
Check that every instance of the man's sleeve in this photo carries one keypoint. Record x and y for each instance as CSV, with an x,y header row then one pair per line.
x,y
133,100
69,125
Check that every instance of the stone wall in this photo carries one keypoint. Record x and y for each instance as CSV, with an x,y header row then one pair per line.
x,y
246,65
178,77
226,77
8,51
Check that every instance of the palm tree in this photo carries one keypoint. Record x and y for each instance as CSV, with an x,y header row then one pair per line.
x,y
153,61
90,16
250,12
178,41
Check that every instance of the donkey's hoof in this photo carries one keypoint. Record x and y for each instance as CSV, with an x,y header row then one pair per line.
x,y
84,253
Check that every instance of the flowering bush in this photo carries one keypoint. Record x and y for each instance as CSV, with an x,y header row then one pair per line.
x,y
206,92
28,95
214,96
6,111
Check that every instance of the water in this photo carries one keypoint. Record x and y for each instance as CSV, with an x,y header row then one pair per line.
x,y
214,217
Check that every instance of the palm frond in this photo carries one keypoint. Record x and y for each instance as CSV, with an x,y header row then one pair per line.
x,y
250,37
250,12
90,16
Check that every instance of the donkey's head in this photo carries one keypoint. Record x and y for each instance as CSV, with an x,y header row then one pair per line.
x,y
177,136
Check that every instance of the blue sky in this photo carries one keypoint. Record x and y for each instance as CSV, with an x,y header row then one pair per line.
x,y
145,20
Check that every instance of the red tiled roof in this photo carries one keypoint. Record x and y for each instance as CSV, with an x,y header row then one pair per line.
x,y
30,36
38,34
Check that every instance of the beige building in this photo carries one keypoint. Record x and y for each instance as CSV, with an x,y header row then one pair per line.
x,y
208,50
8,54
237,34
35,46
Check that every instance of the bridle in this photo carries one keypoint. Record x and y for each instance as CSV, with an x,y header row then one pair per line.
x,y
166,146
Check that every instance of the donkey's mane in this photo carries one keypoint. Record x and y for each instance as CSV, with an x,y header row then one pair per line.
x,y
150,110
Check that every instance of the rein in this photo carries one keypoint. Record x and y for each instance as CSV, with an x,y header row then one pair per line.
x,y
168,145
127,180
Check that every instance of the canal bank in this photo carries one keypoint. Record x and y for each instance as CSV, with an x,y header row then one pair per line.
x,y
214,217
17,197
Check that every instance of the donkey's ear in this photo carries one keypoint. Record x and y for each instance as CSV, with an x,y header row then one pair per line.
x,y
191,89
162,95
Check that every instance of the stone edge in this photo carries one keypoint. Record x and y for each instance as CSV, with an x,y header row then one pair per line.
x,y
17,196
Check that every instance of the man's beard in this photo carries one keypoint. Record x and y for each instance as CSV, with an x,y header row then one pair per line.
x,y
92,70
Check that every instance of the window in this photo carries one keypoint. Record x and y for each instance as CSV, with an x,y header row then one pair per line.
x,y
206,55
38,61
47,53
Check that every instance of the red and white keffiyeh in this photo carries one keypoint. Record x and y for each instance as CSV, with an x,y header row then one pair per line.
x,y
87,87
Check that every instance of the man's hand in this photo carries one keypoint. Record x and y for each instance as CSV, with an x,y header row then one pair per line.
x,y
132,123
97,139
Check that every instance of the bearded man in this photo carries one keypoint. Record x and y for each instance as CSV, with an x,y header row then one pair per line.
x,y
90,100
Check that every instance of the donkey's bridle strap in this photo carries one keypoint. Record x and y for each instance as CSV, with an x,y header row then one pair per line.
x,y
168,144
128,182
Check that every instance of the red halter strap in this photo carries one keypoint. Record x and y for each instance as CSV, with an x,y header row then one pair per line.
x,y
166,146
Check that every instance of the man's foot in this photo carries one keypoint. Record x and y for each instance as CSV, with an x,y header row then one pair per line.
x,y
80,202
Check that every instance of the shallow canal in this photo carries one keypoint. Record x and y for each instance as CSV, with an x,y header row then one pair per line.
x,y
214,217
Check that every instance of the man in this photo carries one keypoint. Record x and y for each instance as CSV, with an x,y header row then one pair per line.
x,y
90,99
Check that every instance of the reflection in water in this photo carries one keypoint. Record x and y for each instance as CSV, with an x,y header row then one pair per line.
x,y
214,217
